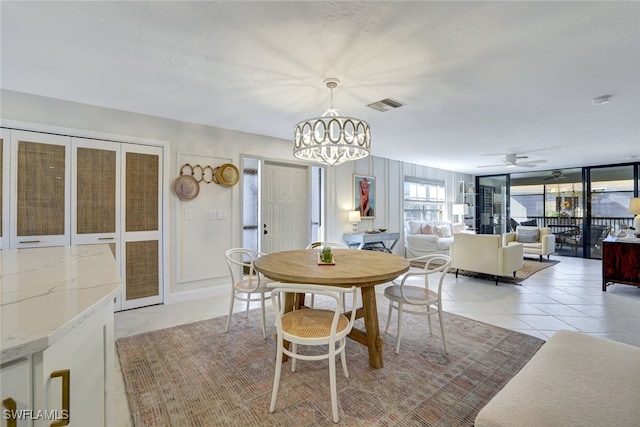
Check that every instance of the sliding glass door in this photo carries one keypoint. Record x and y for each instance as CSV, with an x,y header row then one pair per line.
x,y
580,205
493,206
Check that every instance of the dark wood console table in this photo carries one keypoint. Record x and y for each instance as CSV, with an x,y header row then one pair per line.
x,y
620,262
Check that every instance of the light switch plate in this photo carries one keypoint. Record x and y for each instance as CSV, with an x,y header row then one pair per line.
x,y
188,214
212,215
222,214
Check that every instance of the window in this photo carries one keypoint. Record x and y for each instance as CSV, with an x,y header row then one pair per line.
x,y
527,201
423,200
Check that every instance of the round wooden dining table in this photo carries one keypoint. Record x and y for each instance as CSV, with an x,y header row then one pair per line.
x,y
361,268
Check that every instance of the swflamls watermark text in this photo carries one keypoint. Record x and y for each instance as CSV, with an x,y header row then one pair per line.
x,y
30,414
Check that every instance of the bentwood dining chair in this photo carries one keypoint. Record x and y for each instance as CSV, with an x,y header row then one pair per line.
x,y
319,246
312,327
421,299
332,245
247,284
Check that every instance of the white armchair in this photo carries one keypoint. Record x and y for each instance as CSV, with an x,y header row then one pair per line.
x,y
535,240
484,253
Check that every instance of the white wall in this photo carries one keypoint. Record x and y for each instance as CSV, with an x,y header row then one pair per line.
x,y
196,261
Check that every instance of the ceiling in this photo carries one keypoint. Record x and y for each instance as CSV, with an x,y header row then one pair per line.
x,y
478,79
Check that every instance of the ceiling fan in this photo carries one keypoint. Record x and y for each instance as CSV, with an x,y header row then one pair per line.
x,y
555,175
511,160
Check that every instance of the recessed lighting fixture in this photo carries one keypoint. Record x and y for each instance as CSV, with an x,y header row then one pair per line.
x,y
601,100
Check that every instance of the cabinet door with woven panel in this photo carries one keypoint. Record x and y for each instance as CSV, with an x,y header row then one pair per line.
x,y
141,213
95,194
5,138
40,196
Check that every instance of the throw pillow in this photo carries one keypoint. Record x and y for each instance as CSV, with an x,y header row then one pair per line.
x,y
528,236
415,227
443,230
458,227
427,229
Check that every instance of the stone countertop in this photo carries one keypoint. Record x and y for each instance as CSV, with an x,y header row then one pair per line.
x,y
47,292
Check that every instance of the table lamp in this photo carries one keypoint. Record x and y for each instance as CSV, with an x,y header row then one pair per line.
x,y
460,210
354,219
634,208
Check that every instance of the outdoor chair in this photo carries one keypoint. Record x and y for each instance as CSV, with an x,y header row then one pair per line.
x,y
312,327
597,233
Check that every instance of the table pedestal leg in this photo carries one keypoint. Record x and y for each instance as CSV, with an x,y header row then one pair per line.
x,y
374,340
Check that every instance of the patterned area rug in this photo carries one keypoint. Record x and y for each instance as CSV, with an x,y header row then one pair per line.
x,y
196,375
529,269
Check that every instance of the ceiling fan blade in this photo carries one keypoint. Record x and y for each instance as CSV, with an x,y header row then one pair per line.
x,y
490,166
530,164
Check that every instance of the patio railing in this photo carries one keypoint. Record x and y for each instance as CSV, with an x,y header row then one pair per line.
x,y
560,224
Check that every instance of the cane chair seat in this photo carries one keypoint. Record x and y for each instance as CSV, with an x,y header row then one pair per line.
x,y
314,323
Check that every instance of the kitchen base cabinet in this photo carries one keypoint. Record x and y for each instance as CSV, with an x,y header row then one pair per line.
x,y
15,389
72,378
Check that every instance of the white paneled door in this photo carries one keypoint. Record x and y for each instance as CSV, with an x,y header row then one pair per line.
x,y
285,212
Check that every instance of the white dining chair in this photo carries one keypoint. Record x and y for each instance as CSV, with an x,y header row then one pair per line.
x,y
424,299
312,327
319,246
332,245
247,284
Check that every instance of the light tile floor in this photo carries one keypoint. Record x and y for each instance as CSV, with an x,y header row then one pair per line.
x,y
565,296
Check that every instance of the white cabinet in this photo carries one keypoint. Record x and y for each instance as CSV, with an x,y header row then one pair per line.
x,y
73,376
5,140
59,190
40,182
15,389
71,379
56,340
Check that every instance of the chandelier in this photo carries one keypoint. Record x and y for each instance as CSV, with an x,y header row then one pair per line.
x,y
331,139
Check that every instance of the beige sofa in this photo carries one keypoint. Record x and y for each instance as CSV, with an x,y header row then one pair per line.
x,y
573,380
430,237
535,240
484,253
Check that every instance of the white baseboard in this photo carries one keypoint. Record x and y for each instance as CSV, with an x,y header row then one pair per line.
x,y
214,291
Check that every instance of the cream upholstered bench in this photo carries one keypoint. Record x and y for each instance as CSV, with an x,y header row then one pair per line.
x,y
573,380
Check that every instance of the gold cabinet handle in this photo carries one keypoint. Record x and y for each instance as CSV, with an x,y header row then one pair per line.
x,y
65,374
11,406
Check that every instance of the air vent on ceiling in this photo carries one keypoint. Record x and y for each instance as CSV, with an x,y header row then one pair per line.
x,y
386,104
